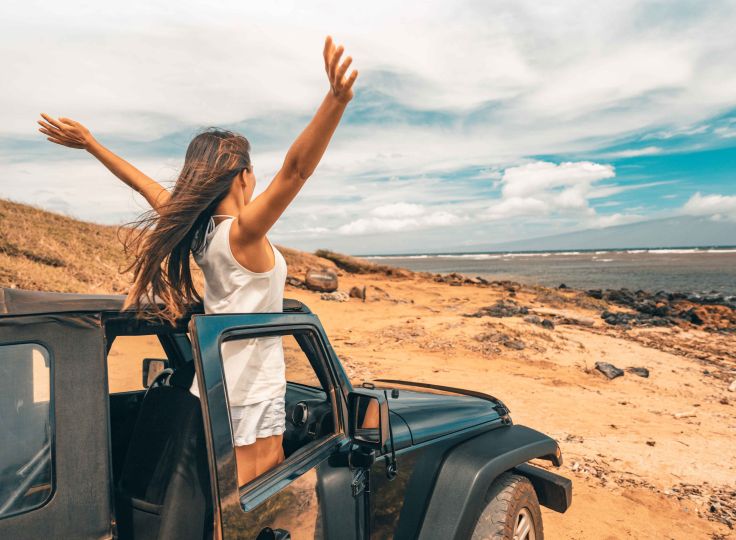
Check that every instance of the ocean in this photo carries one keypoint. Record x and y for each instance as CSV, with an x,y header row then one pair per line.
x,y
676,270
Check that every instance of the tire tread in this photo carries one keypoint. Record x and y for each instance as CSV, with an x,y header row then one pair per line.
x,y
506,496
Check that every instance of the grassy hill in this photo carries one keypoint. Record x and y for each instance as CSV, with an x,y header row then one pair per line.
x,y
45,251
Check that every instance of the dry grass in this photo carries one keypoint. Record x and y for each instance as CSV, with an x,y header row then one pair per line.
x,y
46,251
41,250
355,265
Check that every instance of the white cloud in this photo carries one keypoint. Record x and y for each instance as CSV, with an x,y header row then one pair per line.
x,y
603,191
635,152
518,206
398,210
716,206
612,220
542,188
726,132
483,85
375,225
539,176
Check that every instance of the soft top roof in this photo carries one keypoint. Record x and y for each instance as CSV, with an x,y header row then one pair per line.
x,y
25,302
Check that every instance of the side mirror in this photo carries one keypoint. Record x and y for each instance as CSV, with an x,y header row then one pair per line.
x,y
151,368
368,419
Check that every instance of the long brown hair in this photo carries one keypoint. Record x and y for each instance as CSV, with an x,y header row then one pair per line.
x,y
161,242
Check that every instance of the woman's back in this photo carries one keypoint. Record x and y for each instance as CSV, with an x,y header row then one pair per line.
x,y
232,288
254,368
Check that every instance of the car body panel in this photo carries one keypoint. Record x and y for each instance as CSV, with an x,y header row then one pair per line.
x,y
80,505
448,447
430,416
468,471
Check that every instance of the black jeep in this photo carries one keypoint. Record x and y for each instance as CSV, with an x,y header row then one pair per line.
x,y
100,437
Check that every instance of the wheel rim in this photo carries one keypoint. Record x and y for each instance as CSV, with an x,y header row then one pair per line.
x,y
524,529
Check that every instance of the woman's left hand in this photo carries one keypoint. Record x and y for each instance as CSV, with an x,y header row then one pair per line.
x,y
342,88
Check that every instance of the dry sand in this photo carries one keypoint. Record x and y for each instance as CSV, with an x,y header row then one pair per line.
x,y
638,471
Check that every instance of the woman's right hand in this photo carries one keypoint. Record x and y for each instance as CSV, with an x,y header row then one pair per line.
x,y
342,89
66,132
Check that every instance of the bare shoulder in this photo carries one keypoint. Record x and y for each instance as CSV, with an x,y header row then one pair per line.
x,y
253,253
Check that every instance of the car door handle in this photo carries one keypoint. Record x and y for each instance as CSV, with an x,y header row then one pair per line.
x,y
273,534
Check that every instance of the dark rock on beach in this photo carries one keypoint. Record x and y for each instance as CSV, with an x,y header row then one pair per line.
x,y
544,323
357,292
609,370
634,319
321,280
295,282
711,311
503,339
640,371
502,308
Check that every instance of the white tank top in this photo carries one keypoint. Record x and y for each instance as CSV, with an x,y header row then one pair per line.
x,y
254,368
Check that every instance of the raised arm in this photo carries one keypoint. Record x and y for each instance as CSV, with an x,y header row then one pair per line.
x,y
257,217
72,134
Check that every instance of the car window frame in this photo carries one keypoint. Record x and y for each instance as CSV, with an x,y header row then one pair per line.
x,y
261,488
206,333
52,424
168,341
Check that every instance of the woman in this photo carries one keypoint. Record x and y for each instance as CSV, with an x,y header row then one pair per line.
x,y
211,213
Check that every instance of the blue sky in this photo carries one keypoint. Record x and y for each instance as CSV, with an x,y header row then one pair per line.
x,y
472,123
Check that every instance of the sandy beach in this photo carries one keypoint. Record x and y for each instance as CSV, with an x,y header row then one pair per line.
x,y
650,457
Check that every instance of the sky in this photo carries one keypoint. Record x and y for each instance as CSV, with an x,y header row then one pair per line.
x,y
472,123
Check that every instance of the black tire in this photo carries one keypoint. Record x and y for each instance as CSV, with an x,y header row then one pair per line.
x,y
510,500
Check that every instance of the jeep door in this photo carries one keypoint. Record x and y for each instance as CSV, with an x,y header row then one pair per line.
x,y
54,465
310,495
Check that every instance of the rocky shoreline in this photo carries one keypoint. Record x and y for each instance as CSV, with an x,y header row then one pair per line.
x,y
710,311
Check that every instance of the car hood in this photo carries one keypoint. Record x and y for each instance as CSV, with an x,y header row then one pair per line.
x,y
431,415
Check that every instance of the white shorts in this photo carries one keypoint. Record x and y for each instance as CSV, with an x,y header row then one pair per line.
x,y
258,420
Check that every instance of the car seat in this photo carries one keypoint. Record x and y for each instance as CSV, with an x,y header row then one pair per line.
x,y
164,489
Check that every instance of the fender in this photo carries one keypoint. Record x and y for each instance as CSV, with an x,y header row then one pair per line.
x,y
469,469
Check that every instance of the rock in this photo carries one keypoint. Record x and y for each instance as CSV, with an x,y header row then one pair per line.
x,y
295,282
321,280
357,292
711,311
691,316
589,323
640,371
629,319
503,339
337,296
544,323
502,308
515,344
688,414
595,293
548,325
732,386
609,370
651,443
563,286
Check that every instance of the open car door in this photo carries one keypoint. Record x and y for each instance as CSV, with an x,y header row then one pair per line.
x,y
313,493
